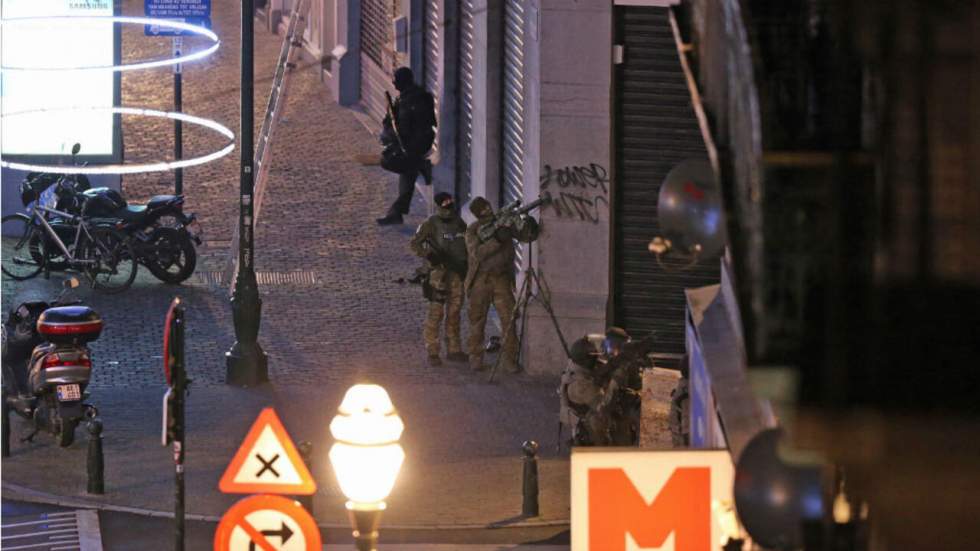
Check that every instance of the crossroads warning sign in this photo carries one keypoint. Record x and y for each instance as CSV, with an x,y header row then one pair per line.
x,y
267,462
269,523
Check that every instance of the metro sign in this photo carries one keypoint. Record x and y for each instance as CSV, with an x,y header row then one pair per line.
x,y
632,500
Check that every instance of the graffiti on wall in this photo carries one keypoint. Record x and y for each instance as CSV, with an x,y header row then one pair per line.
x,y
576,191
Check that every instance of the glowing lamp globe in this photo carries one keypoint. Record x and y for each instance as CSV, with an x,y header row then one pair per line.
x,y
366,456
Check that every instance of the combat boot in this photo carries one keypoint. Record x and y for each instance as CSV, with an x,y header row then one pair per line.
x,y
457,356
434,360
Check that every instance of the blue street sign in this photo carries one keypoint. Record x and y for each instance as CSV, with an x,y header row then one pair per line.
x,y
193,12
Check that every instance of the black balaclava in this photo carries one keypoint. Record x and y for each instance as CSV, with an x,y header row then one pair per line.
x,y
404,79
445,206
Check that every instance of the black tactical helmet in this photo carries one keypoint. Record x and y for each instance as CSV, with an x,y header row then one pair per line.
x,y
478,205
583,353
616,339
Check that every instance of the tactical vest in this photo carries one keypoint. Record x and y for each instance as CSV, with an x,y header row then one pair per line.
x,y
450,237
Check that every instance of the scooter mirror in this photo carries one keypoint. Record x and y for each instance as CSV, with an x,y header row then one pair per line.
x,y
71,283
76,148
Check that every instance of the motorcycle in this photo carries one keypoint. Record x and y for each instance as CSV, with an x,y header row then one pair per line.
x,y
160,231
47,364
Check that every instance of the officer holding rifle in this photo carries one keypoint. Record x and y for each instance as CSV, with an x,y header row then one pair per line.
x,y
490,279
440,240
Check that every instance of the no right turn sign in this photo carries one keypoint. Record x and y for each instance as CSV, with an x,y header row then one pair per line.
x,y
269,523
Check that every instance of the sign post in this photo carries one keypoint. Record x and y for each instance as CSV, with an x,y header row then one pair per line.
x,y
173,409
194,12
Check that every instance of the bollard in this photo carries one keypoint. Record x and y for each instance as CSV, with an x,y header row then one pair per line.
x,y
6,429
305,449
530,506
96,464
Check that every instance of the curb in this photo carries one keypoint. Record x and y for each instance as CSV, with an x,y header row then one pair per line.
x,y
21,493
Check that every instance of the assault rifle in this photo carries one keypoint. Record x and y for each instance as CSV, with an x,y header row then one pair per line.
x,y
443,258
394,122
508,217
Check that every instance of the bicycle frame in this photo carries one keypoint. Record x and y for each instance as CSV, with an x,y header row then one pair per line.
x,y
82,228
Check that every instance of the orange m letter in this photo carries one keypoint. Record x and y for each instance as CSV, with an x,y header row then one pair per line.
x,y
683,507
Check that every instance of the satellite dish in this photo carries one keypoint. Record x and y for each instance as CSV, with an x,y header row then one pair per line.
x,y
690,213
773,497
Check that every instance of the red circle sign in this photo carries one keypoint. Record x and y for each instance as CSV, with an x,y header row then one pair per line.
x,y
269,523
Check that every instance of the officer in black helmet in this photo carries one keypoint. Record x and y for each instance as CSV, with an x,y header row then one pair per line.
x,y
413,128
580,395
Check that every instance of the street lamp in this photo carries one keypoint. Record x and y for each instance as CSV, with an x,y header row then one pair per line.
x,y
366,457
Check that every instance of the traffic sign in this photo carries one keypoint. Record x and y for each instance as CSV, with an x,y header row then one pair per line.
x,y
267,462
193,12
269,523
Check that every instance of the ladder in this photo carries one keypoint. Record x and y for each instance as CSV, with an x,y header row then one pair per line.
x,y
273,113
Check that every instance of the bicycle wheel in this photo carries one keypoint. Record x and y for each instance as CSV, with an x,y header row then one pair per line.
x,y
115,266
23,254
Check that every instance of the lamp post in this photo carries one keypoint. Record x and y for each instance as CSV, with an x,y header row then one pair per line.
x,y
366,457
246,363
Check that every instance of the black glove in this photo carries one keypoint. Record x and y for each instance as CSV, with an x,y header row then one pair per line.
x,y
504,234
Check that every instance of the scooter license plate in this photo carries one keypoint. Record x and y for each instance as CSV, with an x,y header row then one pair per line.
x,y
68,393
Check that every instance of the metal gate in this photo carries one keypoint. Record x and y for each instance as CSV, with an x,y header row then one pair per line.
x,y
512,135
375,75
464,119
655,128
431,55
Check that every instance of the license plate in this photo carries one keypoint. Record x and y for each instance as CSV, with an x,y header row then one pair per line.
x,y
67,393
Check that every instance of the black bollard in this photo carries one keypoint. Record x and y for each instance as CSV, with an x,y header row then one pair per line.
x,y
96,464
530,506
305,449
6,429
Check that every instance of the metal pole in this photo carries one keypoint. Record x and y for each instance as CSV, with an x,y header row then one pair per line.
x,y
96,461
179,377
246,362
6,429
178,129
529,507
305,449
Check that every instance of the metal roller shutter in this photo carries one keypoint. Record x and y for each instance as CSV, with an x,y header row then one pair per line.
x,y
512,136
656,128
464,132
432,56
375,36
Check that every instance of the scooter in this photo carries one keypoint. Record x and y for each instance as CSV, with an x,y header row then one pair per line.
x,y
47,364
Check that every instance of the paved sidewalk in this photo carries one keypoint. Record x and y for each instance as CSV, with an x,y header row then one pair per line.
x,y
335,318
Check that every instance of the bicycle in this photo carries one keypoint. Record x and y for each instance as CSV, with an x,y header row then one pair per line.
x,y
31,242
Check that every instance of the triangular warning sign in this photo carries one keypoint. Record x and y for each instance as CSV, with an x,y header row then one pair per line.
x,y
267,462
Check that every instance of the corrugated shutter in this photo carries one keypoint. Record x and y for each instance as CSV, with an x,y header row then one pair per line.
x,y
464,132
656,128
432,54
512,135
375,77
375,25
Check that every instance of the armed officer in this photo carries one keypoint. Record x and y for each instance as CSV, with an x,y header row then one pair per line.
x,y
440,240
490,280
414,129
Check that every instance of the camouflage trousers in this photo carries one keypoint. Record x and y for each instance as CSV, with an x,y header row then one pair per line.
x,y
496,290
451,285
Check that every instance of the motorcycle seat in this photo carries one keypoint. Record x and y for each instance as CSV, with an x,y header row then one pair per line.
x,y
158,201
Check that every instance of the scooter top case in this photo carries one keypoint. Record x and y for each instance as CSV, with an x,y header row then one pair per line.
x,y
70,325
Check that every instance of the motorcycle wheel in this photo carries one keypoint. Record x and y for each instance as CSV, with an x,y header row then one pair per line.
x,y
170,255
66,436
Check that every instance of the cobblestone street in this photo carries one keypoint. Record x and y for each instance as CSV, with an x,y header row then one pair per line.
x,y
345,320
